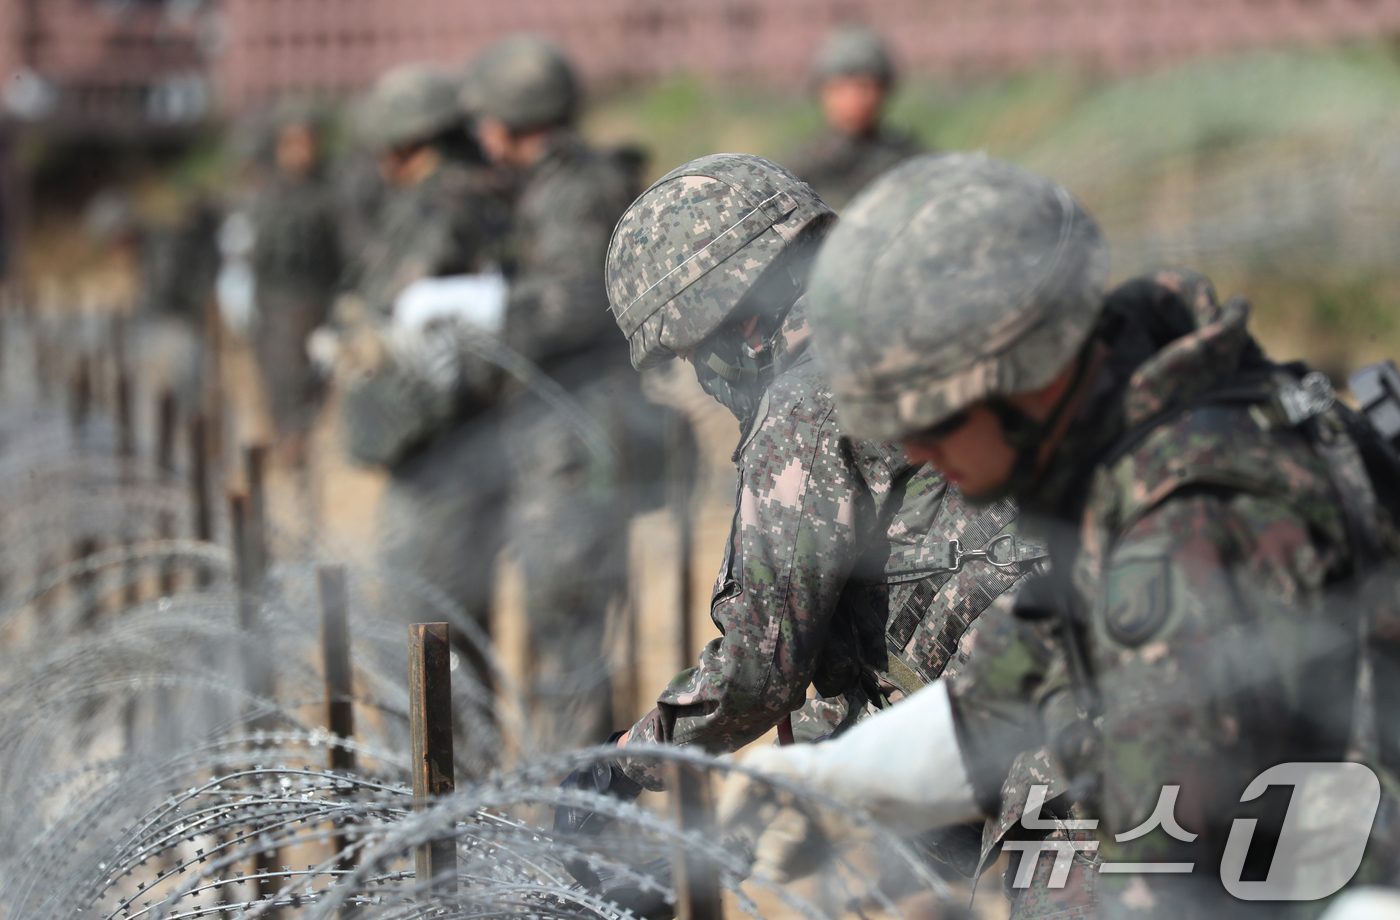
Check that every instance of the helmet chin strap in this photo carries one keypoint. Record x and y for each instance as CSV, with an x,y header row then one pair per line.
x,y
1027,436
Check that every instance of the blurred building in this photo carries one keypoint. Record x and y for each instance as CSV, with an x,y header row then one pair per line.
x,y
106,63
166,62
337,45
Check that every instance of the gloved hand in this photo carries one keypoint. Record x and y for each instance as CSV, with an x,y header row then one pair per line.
x,y
646,902
604,777
903,766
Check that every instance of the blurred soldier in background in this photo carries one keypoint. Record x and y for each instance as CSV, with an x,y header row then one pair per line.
x,y
571,496
843,566
1221,529
853,77
416,400
296,265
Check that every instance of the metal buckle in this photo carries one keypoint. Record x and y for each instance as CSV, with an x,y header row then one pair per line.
x,y
959,556
1309,397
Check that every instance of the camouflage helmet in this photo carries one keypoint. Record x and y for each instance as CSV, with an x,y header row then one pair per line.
x,y
852,50
953,279
687,251
415,102
524,81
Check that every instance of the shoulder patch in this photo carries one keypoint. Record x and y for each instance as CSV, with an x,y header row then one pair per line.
x,y
1138,601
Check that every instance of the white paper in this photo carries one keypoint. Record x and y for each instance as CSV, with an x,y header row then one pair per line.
x,y
476,299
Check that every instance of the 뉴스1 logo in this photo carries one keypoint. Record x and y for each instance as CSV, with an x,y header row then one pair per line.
x,y
1320,848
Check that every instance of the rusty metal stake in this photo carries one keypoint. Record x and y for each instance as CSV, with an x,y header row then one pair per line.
x,y
696,878
430,724
165,462
199,488
257,670
335,645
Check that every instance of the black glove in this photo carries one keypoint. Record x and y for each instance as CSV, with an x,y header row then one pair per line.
x,y
604,777
628,893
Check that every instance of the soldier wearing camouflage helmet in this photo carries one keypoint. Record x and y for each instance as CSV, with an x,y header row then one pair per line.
x,y
840,570
1217,539
853,76
416,400
569,503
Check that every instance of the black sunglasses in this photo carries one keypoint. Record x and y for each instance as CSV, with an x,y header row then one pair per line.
x,y
944,428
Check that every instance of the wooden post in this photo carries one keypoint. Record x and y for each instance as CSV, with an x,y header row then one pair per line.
x,y
199,488
165,462
80,396
430,724
257,673
335,645
255,465
257,670
696,878
126,434
166,418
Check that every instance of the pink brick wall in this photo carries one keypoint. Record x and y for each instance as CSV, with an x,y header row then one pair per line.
x,y
342,44
268,47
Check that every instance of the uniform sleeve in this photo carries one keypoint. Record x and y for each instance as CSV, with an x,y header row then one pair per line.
x,y
1015,667
1217,658
802,505
558,301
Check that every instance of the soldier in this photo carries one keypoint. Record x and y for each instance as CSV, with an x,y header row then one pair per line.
x,y
843,566
853,76
416,399
295,259
1216,538
571,497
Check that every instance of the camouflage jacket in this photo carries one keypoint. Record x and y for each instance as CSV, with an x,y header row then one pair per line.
x,y
838,165
569,203
1197,535
297,247
838,573
398,399
444,225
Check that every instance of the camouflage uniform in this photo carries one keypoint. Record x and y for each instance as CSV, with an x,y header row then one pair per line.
x,y
1201,623
842,566
837,164
836,573
440,518
570,506
296,260
1207,527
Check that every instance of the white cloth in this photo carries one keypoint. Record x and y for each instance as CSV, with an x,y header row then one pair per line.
x,y
477,299
903,766
1367,903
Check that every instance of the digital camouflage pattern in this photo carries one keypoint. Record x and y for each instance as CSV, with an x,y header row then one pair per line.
x,y
447,224
838,165
1205,561
835,574
688,250
524,81
918,323
569,507
555,250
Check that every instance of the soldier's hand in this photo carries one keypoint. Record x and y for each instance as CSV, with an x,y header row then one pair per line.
x,y
903,767
604,777
789,838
